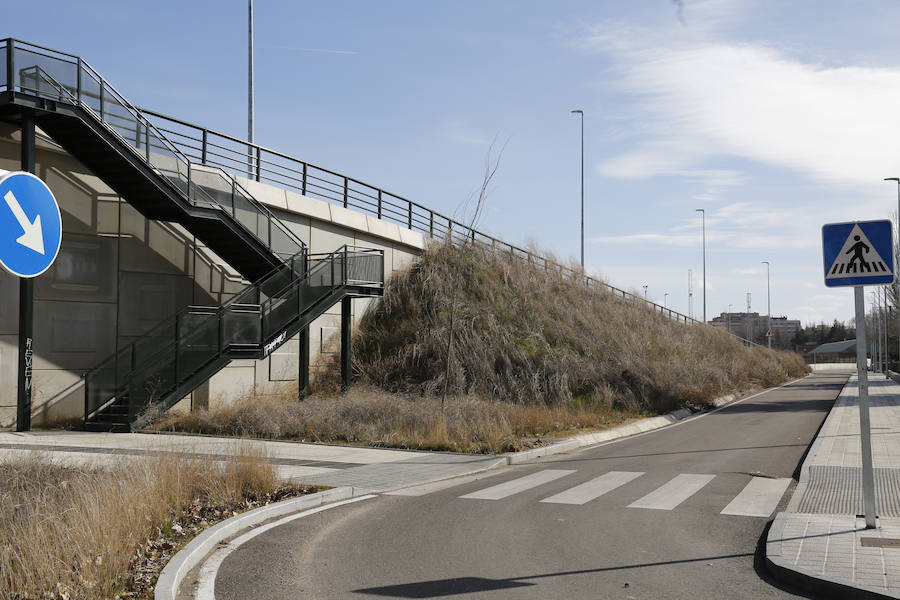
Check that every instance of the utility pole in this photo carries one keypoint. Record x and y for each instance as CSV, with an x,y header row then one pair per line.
x,y
691,293
768,304
703,227
749,322
728,319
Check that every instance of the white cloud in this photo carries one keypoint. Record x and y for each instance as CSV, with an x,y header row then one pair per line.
x,y
711,98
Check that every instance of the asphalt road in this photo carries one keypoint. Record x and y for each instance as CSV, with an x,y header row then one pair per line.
x,y
506,543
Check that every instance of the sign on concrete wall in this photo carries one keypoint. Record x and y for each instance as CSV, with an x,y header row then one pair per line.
x,y
30,225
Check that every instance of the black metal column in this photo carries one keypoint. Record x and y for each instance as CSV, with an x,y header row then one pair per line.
x,y
26,305
303,360
345,344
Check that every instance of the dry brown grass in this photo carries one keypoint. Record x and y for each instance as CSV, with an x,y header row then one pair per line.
x,y
71,532
373,417
526,336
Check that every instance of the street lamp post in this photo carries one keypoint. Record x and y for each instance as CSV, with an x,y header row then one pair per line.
x,y
581,113
768,304
703,227
666,300
645,292
728,320
897,179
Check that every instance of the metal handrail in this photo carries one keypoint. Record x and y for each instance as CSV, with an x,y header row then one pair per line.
x,y
253,161
79,94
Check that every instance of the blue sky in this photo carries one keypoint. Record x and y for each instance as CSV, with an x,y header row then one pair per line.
x,y
776,117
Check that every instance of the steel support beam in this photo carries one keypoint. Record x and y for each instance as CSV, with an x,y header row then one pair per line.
x,y
345,344
26,305
303,365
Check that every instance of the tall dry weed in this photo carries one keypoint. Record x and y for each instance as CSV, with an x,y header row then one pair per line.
x,y
69,532
529,336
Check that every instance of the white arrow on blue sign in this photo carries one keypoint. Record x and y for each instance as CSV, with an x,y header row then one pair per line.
x,y
30,225
858,253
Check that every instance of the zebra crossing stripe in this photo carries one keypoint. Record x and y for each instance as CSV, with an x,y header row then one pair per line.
x,y
758,498
584,493
521,484
673,493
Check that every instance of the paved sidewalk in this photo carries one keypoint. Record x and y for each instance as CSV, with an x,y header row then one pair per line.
x,y
369,469
820,541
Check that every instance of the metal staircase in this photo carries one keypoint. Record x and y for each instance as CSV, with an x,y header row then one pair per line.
x,y
150,375
93,122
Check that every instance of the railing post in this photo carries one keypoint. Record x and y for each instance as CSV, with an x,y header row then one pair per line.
x,y
175,362
102,97
303,189
137,134
379,204
258,155
203,148
430,223
346,184
409,221
147,141
78,80
10,65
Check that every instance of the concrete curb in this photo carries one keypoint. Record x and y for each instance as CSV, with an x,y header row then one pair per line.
x,y
817,584
590,439
196,550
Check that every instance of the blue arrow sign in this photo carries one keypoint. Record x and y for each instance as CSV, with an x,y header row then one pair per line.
x,y
30,225
858,253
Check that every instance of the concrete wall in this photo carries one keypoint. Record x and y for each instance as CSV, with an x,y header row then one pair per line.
x,y
119,274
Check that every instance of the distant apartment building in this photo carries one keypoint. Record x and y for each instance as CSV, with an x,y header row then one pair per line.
x,y
755,325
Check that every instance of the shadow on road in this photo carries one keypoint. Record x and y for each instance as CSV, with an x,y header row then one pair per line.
x,y
469,585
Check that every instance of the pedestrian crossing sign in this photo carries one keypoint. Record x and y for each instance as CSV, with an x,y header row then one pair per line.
x,y
858,253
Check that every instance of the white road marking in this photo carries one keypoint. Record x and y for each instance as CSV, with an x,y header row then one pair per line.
x,y
759,498
206,578
521,484
673,493
427,488
581,494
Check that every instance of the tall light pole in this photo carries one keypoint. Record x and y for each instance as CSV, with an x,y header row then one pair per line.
x,y
768,304
645,292
666,300
703,226
897,179
580,112
728,321
250,74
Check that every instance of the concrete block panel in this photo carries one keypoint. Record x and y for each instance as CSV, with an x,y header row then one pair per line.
x,y
9,365
77,204
297,224
348,218
412,238
159,249
84,271
231,383
261,192
108,216
325,237
7,413
9,303
402,258
57,395
148,298
308,207
133,223
283,363
74,336
383,229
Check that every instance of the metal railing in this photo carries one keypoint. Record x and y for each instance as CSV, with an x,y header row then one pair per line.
x,y
208,147
155,366
65,78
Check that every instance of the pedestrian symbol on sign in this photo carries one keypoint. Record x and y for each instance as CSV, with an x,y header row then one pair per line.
x,y
858,253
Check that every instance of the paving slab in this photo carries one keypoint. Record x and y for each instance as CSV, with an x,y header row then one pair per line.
x,y
820,542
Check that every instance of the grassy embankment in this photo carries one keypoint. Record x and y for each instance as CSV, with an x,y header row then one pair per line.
x,y
88,533
534,354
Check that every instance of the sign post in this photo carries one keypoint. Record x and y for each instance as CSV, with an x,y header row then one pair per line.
x,y
30,237
857,254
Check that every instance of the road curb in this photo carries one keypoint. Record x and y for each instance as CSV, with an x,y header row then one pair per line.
x,y
819,585
196,550
590,439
